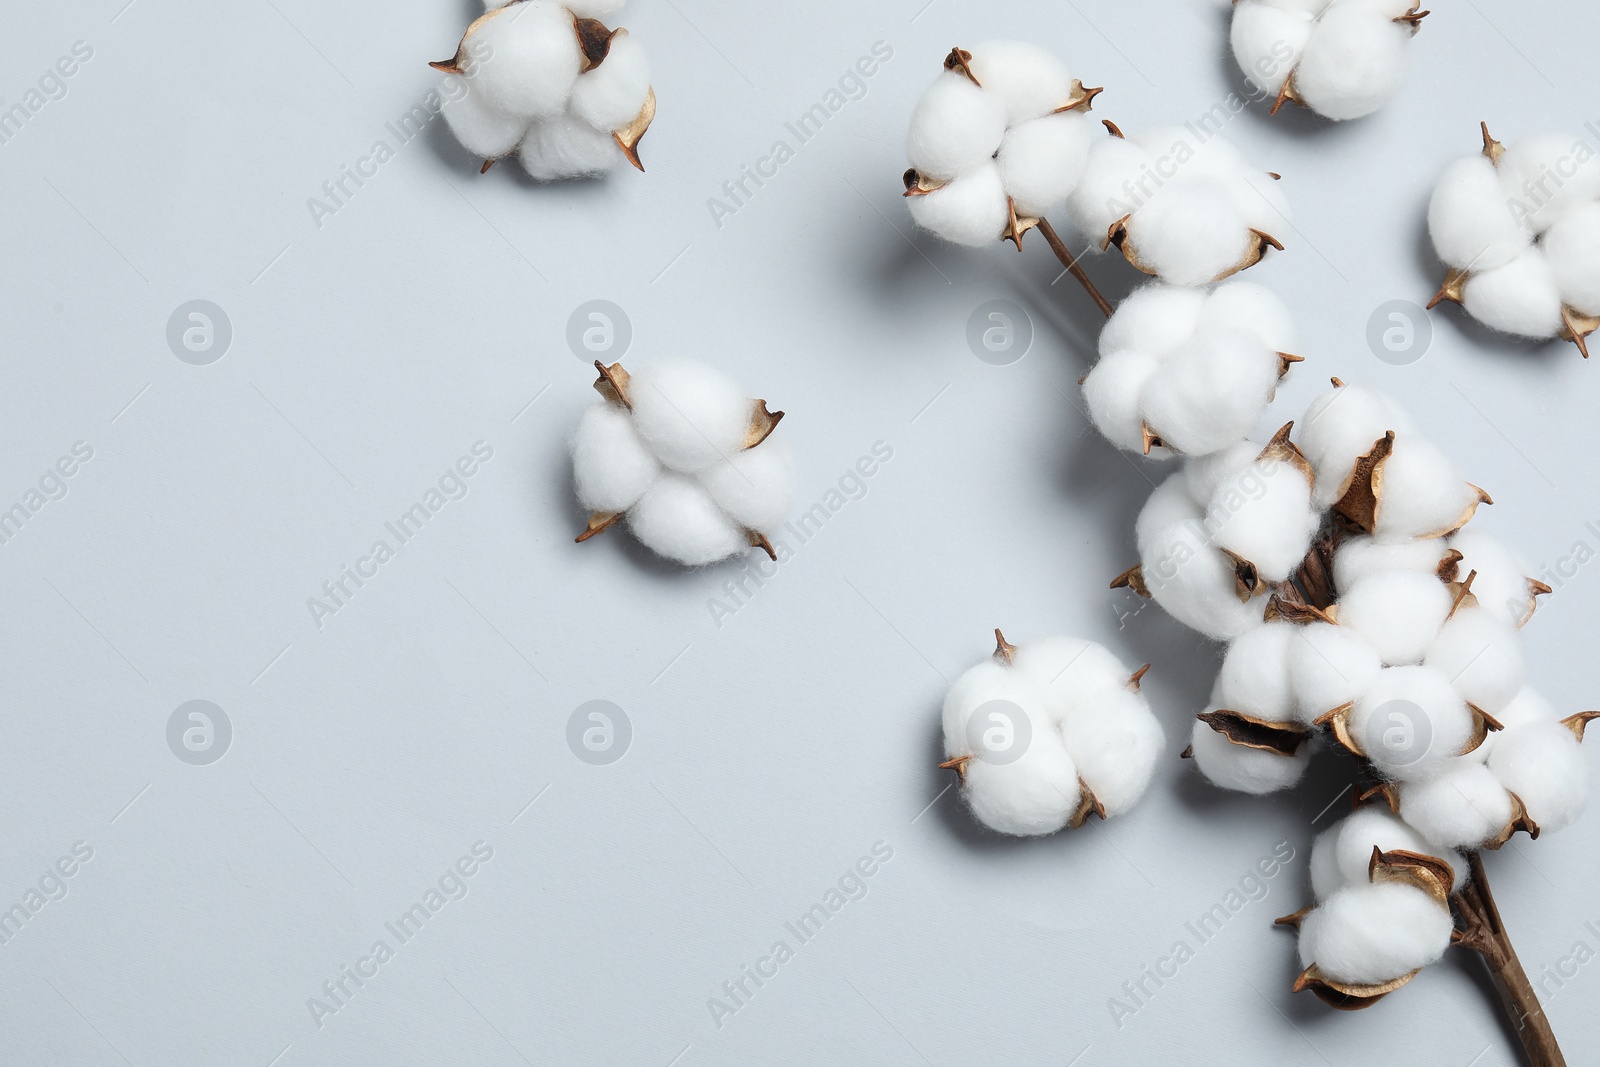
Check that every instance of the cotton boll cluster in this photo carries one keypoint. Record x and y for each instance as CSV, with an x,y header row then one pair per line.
x,y
996,143
1189,371
1045,733
681,452
1518,226
549,82
1187,210
1341,58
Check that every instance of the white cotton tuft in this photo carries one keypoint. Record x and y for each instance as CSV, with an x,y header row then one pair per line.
x,y
1028,81
1342,854
1521,297
1189,233
1244,769
1360,555
1481,654
1469,220
1185,573
610,463
956,126
1329,666
529,59
1211,392
690,415
1369,934
482,130
1264,515
1424,494
1254,679
1502,584
1113,391
678,519
1204,474
1465,806
1069,673
1116,743
1547,175
1572,247
557,149
1528,706
755,486
610,96
1267,41
1103,195
1042,159
1156,319
1339,428
1411,723
1543,764
1398,613
970,210
1247,307
1353,63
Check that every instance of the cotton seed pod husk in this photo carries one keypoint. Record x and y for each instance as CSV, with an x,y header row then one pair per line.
x,y
1362,502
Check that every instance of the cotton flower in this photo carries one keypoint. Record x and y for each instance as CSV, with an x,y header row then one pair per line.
x,y
996,143
1186,209
1518,227
1048,732
551,83
681,451
1189,371
1341,58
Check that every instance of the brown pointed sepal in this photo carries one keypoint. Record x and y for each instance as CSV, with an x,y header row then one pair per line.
x,y
1286,95
761,541
1430,874
1576,327
1452,289
1279,738
1363,495
957,764
613,384
629,136
1576,723
457,64
762,423
1087,806
594,41
1347,996
1520,820
1081,98
1283,450
1135,679
1132,578
1294,918
961,59
1338,721
1388,792
599,522
1285,361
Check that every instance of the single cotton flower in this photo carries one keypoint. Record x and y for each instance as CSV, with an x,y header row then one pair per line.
x,y
996,143
681,452
1341,58
551,83
1046,733
1518,227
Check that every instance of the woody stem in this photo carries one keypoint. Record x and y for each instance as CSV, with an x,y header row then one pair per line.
x,y
1485,933
1070,261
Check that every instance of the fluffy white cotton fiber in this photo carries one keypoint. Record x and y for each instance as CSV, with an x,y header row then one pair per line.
x,y
1189,233
1481,654
1041,160
1339,428
1264,515
1329,667
969,210
955,127
482,129
1521,297
1360,555
1464,806
1341,856
1267,41
1027,80
1424,494
1569,247
560,148
1398,613
610,96
1502,584
1370,934
676,463
1411,723
1543,764
1345,59
1244,769
1185,572
529,59
1469,220
1254,679
1211,392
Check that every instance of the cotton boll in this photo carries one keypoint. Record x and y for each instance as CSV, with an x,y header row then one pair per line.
x,y
530,59
1267,42
1340,427
1184,572
1468,218
1377,827
956,126
1329,666
1028,80
1115,742
1360,555
1114,391
1042,159
1502,582
1547,175
1244,769
1353,63
1189,233
592,9
1520,297
1528,706
1038,794
482,130
1572,248
1156,319
557,149
1543,764
1463,807
971,210
984,682
1398,613
1106,192
1168,506
610,463
1411,723
1204,474
1254,679
754,486
1020,779
1212,392
1194,157
1479,651
690,415
1424,494
610,96
679,520
1238,305
1264,515
1369,934
1069,673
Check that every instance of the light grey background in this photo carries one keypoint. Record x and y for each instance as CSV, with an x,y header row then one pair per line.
x,y
769,753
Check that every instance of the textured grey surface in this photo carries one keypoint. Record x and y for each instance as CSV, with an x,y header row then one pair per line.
x,y
769,753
